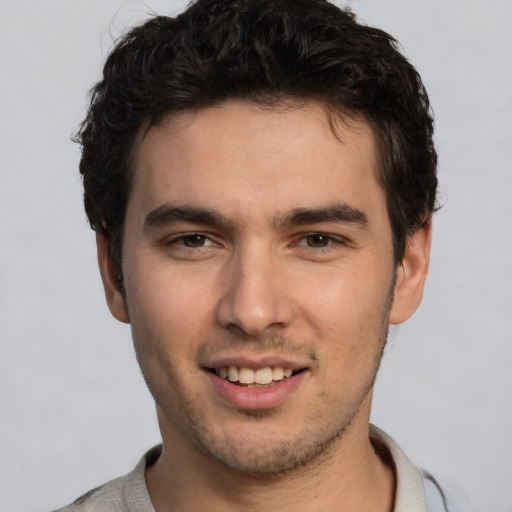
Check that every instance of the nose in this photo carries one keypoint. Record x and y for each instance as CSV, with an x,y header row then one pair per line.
x,y
255,296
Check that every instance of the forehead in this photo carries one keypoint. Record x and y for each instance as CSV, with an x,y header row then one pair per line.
x,y
240,158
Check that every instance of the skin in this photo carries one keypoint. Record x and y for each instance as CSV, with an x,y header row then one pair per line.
x,y
316,291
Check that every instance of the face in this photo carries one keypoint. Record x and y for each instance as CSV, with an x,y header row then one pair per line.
x,y
259,277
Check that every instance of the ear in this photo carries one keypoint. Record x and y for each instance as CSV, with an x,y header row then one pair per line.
x,y
115,299
411,275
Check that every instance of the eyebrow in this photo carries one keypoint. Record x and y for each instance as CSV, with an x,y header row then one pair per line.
x,y
340,212
171,213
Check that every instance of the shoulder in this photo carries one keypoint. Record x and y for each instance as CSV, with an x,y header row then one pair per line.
x,y
124,494
416,489
444,498
106,498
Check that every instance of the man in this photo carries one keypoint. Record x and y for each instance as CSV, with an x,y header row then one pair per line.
x,y
261,178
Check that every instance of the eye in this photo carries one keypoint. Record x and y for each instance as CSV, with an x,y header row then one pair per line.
x,y
192,246
189,241
192,240
316,240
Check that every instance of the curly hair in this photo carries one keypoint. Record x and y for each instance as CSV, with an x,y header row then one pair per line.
x,y
265,52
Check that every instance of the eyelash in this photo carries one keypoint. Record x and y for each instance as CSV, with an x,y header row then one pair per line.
x,y
330,241
180,240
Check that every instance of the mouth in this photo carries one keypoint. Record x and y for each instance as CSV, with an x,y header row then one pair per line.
x,y
254,378
252,386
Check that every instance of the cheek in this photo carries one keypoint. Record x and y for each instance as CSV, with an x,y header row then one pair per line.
x,y
348,316
343,301
171,308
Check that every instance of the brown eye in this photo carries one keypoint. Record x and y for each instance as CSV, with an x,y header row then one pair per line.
x,y
194,240
317,240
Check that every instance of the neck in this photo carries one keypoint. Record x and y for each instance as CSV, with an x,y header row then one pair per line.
x,y
348,476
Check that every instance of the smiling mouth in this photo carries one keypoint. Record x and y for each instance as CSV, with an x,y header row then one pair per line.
x,y
247,377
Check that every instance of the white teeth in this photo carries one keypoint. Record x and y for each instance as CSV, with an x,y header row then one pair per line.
x,y
277,373
244,375
233,374
263,376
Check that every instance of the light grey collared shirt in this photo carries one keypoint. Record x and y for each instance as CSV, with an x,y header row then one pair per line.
x,y
416,491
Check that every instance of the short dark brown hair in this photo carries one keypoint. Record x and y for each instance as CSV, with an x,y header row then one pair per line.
x,y
261,51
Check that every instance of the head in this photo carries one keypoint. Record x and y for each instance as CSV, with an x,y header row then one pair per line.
x,y
269,53
260,174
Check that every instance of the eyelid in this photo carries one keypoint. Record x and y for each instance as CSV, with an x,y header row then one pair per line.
x,y
176,237
333,239
211,239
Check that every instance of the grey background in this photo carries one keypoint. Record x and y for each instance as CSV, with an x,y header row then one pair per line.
x,y
74,410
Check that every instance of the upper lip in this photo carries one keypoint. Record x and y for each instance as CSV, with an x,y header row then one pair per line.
x,y
255,362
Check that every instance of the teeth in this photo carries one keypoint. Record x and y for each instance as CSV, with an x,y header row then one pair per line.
x,y
243,375
246,376
277,373
233,374
263,376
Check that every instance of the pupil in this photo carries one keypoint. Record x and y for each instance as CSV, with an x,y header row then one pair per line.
x,y
317,240
194,240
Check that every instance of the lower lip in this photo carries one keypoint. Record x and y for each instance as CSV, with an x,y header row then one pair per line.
x,y
242,397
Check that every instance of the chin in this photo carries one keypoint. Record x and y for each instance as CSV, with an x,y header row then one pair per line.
x,y
265,455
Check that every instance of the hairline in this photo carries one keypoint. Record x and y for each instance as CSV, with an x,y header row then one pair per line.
x,y
335,114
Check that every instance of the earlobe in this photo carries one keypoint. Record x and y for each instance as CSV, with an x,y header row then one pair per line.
x,y
113,295
411,275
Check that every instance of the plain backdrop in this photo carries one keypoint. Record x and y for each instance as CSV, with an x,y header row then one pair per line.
x,y
74,411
